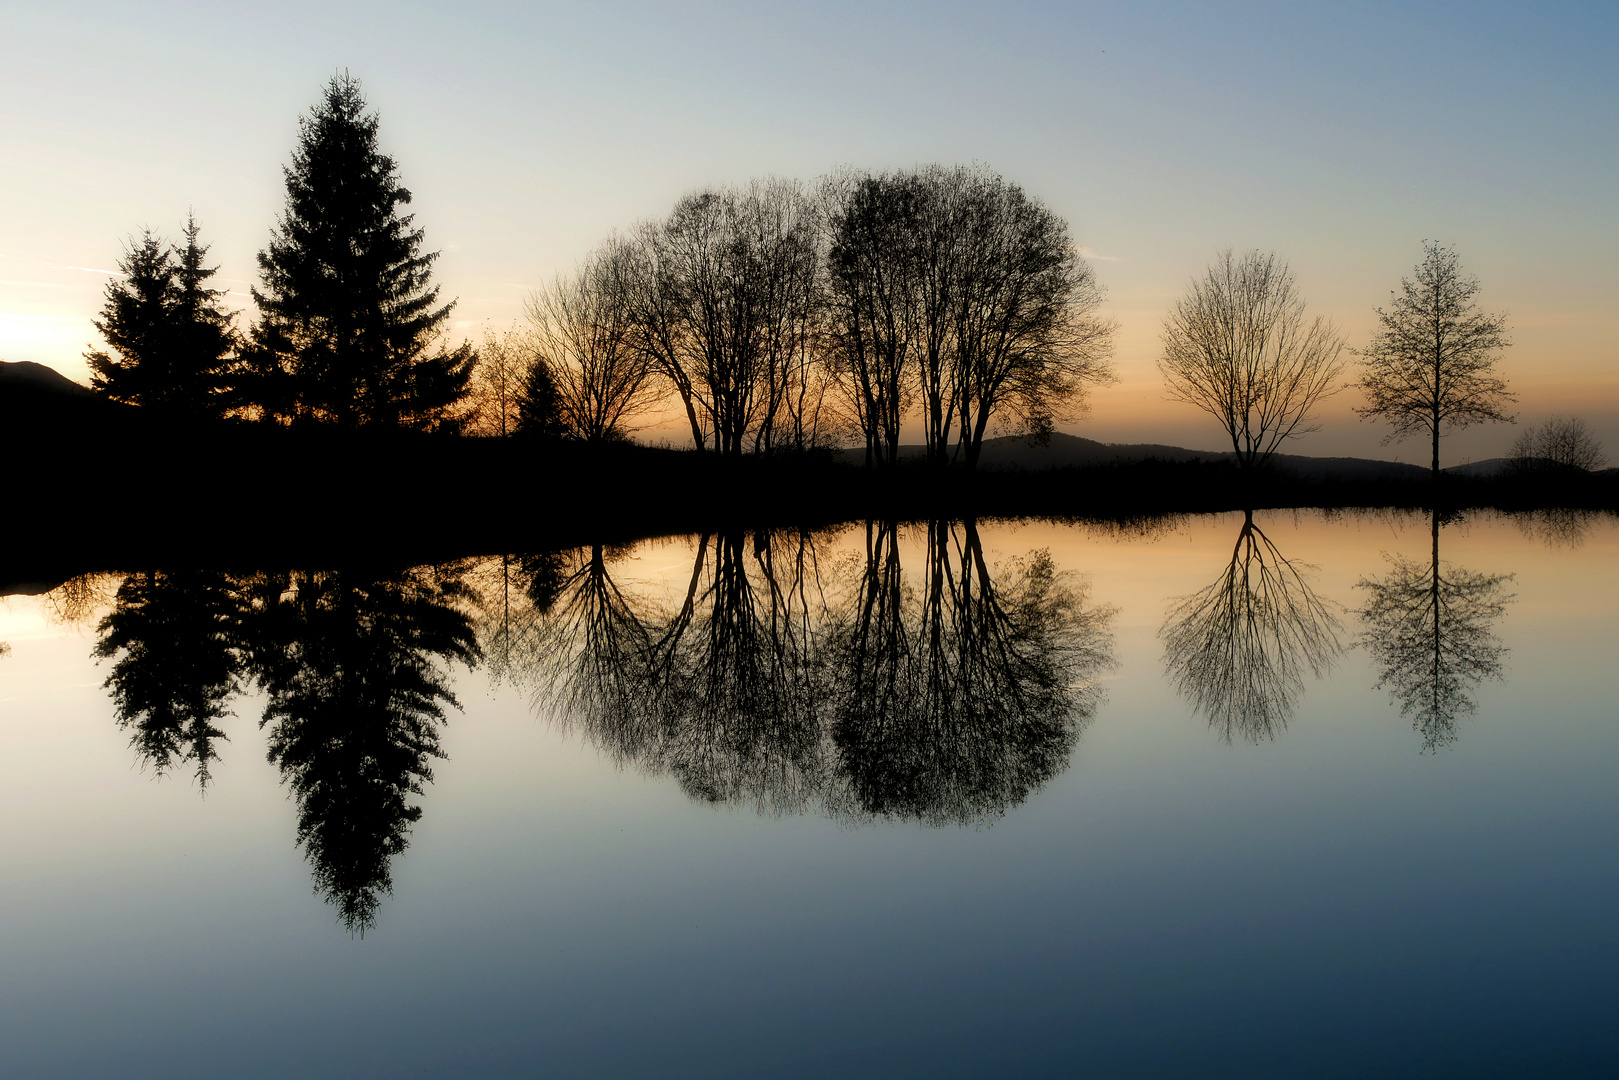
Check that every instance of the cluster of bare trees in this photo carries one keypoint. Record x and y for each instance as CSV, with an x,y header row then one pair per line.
x,y
783,316
954,291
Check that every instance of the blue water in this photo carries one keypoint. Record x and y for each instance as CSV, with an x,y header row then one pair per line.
x,y
1339,897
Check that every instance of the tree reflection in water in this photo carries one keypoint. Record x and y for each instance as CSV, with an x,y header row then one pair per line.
x,y
1238,650
1428,627
1557,527
770,680
175,636
782,683
953,700
353,669
352,666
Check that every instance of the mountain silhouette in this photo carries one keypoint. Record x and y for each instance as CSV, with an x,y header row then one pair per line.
x,y
1061,451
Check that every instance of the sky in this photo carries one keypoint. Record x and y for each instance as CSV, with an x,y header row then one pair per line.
x,y
1339,136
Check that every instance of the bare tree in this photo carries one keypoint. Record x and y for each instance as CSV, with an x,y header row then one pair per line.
x,y
1027,335
1561,444
873,306
1431,363
1239,346
723,300
954,289
583,333
497,382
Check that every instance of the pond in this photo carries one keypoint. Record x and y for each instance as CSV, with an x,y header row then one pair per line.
x,y
1271,794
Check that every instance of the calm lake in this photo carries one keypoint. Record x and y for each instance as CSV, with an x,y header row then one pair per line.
x,y
1295,795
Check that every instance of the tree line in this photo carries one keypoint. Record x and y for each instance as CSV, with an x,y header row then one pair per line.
x,y
773,316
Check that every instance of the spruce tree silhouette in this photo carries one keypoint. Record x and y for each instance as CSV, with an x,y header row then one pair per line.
x,y
174,341
349,316
176,637
539,407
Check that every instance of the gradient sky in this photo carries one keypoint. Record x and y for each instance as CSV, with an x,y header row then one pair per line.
x,y
1340,137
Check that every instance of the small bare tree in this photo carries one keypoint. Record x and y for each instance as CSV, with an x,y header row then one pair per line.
x,y
497,383
1239,346
1431,363
1561,444
583,334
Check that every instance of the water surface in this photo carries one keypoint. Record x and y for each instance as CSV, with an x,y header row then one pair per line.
x,y
1280,795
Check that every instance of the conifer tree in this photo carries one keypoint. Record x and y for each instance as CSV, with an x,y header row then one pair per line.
x,y
539,406
174,341
349,315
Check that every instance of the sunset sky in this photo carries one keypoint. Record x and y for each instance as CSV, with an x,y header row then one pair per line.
x,y
1340,137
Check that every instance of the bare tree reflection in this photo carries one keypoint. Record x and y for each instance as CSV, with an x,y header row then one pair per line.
x,y
1238,649
514,594
947,702
175,636
1429,629
352,665
76,601
951,702
592,653
1557,527
741,722
714,690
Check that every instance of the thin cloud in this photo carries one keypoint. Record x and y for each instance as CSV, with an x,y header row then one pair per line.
x,y
62,266
1089,254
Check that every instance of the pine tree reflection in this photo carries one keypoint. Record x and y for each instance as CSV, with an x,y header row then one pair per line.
x,y
1429,629
352,665
952,702
1238,649
175,636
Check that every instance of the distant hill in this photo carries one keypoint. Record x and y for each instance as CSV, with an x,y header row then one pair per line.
x,y
25,376
38,403
1069,451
